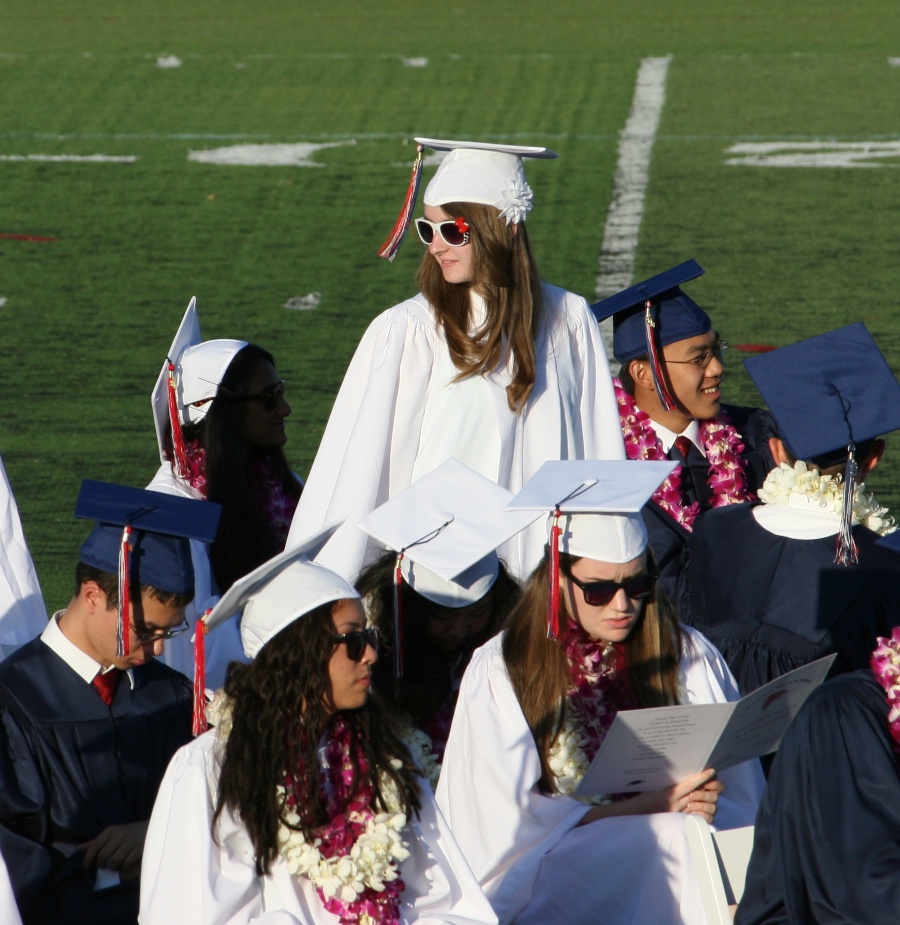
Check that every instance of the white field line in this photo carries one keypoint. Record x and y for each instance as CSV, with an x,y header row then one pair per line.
x,y
73,158
626,209
815,154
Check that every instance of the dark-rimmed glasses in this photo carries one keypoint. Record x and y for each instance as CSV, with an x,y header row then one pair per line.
x,y
270,396
454,232
358,641
600,593
148,637
701,362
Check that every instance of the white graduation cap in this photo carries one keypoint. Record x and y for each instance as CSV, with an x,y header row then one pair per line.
x,y
188,381
272,596
594,508
472,171
446,528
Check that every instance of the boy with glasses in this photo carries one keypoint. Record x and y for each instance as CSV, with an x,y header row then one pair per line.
x,y
90,718
670,407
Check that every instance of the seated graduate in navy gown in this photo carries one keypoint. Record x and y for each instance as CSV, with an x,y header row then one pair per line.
x,y
90,718
798,576
827,840
670,407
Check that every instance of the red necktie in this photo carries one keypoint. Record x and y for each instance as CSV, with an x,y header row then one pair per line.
x,y
105,682
683,445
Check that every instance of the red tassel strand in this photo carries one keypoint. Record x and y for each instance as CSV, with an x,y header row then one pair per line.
x,y
398,618
654,353
178,447
392,244
200,725
553,607
123,620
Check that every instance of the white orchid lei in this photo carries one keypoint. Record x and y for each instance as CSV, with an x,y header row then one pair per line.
x,y
825,493
354,859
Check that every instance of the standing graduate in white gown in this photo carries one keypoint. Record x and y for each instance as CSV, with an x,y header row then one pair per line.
x,y
302,806
533,711
487,364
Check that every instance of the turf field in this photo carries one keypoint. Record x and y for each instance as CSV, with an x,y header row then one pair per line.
x,y
774,163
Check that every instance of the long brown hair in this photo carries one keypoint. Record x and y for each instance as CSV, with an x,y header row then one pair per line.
x,y
539,671
278,718
506,275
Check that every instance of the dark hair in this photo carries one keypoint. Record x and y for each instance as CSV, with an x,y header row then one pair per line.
x,y
834,463
109,585
538,668
506,274
427,680
279,715
245,539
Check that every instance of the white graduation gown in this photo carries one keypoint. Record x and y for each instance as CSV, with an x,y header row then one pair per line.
x,y
399,414
223,646
525,847
23,614
189,876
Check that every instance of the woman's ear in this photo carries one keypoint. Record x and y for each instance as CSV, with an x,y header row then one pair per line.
x,y
778,451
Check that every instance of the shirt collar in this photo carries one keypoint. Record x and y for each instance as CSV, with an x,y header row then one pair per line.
x,y
667,437
80,662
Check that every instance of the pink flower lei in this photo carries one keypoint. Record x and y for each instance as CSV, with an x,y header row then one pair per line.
x,y
886,666
349,812
723,444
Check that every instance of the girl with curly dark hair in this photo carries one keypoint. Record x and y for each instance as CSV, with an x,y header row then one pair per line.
x,y
303,804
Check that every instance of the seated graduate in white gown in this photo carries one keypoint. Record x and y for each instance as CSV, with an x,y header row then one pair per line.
x,y
438,593
537,701
303,804
219,411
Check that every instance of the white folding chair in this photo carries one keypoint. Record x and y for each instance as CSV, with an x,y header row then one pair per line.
x,y
720,860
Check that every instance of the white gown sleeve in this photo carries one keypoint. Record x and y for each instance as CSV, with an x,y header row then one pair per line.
x,y
706,678
23,614
187,876
369,446
488,785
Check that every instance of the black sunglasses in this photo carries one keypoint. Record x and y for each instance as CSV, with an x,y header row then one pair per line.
x,y
358,641
455,232
600,593
270,397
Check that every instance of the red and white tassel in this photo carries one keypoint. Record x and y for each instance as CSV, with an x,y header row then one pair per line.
x,y
553,602
398,617
178,446
846,551
200,725
123,618
656,366
392,244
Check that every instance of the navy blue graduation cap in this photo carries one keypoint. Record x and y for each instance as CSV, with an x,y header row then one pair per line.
x,y
830,394
651,315
143,537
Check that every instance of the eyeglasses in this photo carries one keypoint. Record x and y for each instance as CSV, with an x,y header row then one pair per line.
x,y
455,232
270,396
701,362
358,641
150,636
600,593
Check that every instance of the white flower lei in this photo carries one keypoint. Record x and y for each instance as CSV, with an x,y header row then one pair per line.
x,y
826,493
375,855
422,750
569,763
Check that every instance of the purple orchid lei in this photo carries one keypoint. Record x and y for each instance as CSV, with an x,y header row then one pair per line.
x,y
886,667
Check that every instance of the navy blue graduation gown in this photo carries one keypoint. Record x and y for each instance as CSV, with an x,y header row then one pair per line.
x,y
70,766
668,539
827,840
771,603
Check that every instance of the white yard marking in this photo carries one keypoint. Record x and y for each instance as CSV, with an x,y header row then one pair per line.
x,y
414,62
860,154
73,158
165,61
304,303
626,210
274,155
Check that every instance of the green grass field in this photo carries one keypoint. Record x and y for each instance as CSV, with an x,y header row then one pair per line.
x,y
87,317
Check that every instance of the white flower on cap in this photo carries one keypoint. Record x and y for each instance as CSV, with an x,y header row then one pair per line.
x,y
515,202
